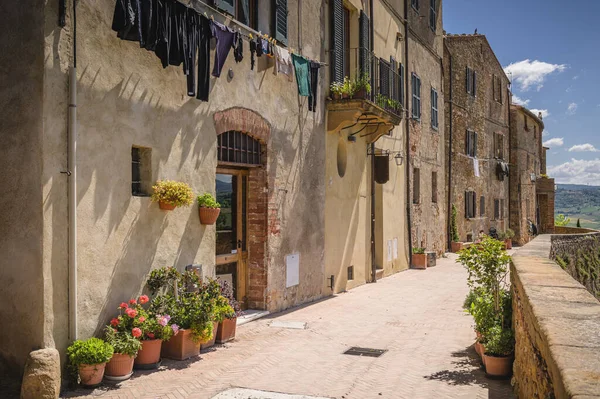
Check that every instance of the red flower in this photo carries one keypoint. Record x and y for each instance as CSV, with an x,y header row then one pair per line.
x,y
150,335
131,312
114,322
142,319
132,302
143,299
136,332
123,305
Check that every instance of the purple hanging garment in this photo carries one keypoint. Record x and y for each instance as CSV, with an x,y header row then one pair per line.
x,y
225,39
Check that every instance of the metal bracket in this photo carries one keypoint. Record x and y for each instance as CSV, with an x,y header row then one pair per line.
x,y
66,172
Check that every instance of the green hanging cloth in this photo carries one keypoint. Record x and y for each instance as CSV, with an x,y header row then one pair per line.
x,y
301,66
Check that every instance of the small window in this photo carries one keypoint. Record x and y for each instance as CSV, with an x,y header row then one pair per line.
x,y
434,194
141,171
535,132
432,15
416,97
498,146
469,237
525,122
350,273
471,81
471,143
496,209
497,88
415,4
434,108
238,147
470,205
416,185
481,206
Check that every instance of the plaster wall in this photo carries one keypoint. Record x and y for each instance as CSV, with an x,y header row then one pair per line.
x,y
484,115
126,98
21,95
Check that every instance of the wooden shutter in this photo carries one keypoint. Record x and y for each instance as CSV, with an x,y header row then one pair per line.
x,y
432,15
468,142
337,41
281,21
393,78
482,206
474,203
364,44
474,84
401,73
475,144
432,97
468,79
225,5
418,97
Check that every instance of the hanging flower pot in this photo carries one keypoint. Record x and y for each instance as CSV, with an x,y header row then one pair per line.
x,y
170,194
120,366
208,209
165,206
149,355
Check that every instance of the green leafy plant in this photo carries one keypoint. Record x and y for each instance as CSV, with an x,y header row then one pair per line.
x,y
163,278
122,341
578,223
227,293
90,351
509,234
453,228
561,220
381,100
499,341
207,200
501,235
418,251
348,87
363,82
336,88
173,193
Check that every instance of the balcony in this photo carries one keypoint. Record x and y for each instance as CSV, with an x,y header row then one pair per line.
x,y
367,99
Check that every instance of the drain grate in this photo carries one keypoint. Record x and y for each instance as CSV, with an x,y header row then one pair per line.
x,y
356,351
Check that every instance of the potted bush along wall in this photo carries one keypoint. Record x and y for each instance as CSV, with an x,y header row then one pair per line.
x,y
126,345
228,316
170,194
419,259
88,358
455,243
208,209
212,291
508,236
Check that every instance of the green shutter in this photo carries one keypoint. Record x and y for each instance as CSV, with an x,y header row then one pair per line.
x,y
364,44
337,41
281,21
401,84
225,5
243,14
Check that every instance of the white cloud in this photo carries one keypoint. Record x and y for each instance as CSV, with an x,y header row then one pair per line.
x,y
545,133
577,171
555,142
524,103
583,148
532,73
545,112
572,108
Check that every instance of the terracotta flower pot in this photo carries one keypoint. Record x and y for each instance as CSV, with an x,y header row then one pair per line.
x,y
120,365
165,207
208,215
336,96
211,341
226,330
456,246
508,243
345,95
180,346
419,261
360,93
498,366
150,352
480,349
91,374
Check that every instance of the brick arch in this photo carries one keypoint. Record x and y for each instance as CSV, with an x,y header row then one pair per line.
x,y
242,120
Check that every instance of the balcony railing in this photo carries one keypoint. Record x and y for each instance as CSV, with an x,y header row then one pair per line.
x,y
365,76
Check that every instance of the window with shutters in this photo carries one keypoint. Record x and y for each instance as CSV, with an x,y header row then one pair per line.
x,y
393,79
470,206
432,15
434,190
498,146
416,96
481,206
471,81
416,185
434,108
338,40
364,44
281,21
401,84
384,78
245,11
497,88
415,4
471,143
499,209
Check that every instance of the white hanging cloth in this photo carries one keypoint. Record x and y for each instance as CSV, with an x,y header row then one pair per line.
x,y
476,167
283,63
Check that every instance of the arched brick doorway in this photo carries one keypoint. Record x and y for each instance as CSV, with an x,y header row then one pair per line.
x,y
242,138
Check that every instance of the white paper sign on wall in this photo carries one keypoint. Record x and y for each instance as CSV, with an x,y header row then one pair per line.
x,y
389,250
395,247
292,265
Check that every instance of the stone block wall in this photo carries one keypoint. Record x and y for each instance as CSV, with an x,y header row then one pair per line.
x,y
557,328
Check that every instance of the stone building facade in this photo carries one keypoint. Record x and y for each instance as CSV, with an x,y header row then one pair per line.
x,y
425,104
477,131
545,192
525,169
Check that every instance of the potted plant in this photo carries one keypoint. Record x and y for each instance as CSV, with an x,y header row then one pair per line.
x,y
502,239
208,209
88,358
419,259
455,243
362,86
170,194
336,90
347,88
498,353
211,290
126,345
508,236
228,319
381,100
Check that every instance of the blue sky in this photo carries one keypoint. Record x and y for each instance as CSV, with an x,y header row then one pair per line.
x,y
552,49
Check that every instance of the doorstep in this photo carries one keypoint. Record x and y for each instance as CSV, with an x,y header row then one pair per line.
x,y
251,315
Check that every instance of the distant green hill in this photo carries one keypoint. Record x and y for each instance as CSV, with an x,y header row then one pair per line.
x,y
579,201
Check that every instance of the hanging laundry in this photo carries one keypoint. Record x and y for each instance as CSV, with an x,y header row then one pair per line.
x,y
252,53
238,50
314,84
176,49
283,63
259,46
126,20
163,40
476,167
270,52
301,66
265,46
226,37
192,22
204,36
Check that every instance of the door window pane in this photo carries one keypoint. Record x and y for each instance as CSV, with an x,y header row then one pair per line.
x,y
226,188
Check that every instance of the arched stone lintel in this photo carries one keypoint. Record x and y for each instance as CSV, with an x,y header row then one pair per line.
x,y
242,120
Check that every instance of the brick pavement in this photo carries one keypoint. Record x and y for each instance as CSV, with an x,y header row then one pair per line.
x,y
416,315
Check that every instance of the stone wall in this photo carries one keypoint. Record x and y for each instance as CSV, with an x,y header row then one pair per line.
x,y
557,328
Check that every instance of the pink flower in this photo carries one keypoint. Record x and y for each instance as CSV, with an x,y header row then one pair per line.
x,y
163,320
143,299
114,322
131,312
132,302
136,332
123,305
114,329
175,328
150,335
142,319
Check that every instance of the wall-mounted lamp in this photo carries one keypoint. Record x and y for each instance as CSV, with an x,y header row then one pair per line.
x,y
398,158
352,138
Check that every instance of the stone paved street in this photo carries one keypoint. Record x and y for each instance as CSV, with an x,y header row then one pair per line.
x,y
415,315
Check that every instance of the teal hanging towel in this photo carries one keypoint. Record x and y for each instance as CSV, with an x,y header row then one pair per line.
x,y
301,66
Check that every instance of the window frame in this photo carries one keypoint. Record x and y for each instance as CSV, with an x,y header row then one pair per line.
x,y
415,4
471,81
432,15
470,204
498,145
434,109
482,206
141,159
471,143
416,97
416,184
434,189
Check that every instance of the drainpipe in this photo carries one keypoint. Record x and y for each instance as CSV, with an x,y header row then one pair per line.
x,y
406,117
72,179
373,264
508,99
449,212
